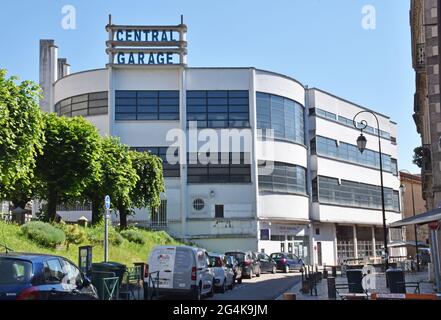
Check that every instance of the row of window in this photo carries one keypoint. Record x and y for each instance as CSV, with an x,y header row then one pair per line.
x,y
146,105
222,168
89,104
218,109
284,178
349,193
349,122
348,152
284,116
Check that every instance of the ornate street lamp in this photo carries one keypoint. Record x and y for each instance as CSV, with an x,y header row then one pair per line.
x,y
361,144
403,189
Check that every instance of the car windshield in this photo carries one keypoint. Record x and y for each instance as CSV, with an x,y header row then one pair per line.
x,y
14,271
216,261
240,256
277,256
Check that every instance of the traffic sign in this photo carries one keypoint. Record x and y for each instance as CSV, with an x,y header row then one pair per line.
x,y
107,202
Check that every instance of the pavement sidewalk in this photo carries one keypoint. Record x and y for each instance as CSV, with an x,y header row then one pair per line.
x,y
426,286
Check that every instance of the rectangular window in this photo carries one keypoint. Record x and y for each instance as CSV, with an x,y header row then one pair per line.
x,y
394,166
158,218
146,105
219,211
218,109
218,168
348,152
355,194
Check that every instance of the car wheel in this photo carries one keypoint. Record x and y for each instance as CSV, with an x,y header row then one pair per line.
x,y
224,287
286,269
274,271
198,293
211,293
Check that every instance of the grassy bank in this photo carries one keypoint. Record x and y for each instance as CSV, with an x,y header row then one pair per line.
x,y
126,253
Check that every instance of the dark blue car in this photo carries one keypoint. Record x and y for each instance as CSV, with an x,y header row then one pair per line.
x,y
287,261
29,276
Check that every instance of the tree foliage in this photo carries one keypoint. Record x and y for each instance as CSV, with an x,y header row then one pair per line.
x,y
421,156
69,161
21,134
117,177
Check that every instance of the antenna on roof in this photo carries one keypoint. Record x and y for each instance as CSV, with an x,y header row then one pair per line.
x,y
110,19
182,19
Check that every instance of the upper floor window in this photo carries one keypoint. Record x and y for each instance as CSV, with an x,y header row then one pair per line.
x,y
146,105
394,166
218,109
348,152
169,169
221,168
285,178
284,116
354,194
88,104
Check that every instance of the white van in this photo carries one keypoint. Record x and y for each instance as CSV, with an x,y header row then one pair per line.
x,y
182,270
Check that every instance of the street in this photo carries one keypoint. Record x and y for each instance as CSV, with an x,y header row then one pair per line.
x,y
266,287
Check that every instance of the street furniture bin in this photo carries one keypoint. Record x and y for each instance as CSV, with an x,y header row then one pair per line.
x,y
117,268
396,280
355,277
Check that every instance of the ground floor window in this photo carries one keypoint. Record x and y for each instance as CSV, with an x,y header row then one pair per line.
x,y
345,243
364,242
158,219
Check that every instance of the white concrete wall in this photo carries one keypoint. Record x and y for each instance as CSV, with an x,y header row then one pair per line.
x,y
282,152
280,85
218,79
283,206
328,213
327,237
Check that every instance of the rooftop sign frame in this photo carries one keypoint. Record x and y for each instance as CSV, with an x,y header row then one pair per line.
x,y
135,45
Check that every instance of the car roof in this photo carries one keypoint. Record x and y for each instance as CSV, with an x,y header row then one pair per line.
x,y
36,257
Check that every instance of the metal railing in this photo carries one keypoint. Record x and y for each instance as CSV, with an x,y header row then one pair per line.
x,y
152,286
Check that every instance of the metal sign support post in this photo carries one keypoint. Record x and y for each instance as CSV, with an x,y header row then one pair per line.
x,y
106,228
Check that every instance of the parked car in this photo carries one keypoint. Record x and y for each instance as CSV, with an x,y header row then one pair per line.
x,y
248,261
182,270
287,261
30,276
267,264
223,274
235,266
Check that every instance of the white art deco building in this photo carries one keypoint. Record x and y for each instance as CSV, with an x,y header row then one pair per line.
x,y
321,200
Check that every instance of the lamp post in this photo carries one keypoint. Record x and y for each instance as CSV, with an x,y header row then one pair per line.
x,y
361,144
403,189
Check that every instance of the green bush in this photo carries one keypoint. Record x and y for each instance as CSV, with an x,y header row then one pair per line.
x,y
162,237
74,234
96,235
44,233
133,235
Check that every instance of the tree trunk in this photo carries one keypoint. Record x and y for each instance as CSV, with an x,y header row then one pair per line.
x,y
52,207
122,218
96,211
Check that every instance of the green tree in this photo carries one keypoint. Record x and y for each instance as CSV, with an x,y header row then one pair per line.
x,y
21,136
117,178
69,161
421,155
149,186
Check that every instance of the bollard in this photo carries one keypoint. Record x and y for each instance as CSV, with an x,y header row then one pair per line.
x,y
334,271
289,296
332,294
325,274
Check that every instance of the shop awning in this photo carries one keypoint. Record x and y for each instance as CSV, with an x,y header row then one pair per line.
x,y
424,218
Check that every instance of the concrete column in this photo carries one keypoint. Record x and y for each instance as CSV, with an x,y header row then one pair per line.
x,y
48,73
335,246
183,153
63,68
354,227
374,252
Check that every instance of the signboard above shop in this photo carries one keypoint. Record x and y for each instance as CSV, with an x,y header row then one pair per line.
x,y
146,45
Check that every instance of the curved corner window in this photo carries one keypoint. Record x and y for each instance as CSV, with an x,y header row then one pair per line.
x,y
89,104
283,115
281,177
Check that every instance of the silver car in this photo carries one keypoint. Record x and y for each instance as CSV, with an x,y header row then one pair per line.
x,y
223,274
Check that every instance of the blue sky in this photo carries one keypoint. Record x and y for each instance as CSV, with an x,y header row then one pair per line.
x,y
319,42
